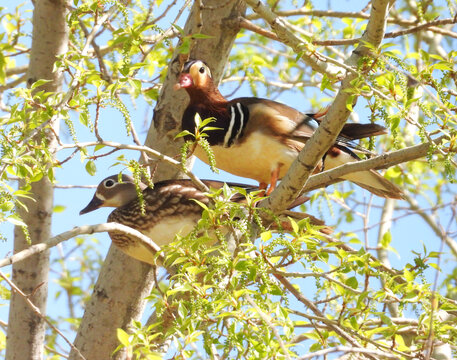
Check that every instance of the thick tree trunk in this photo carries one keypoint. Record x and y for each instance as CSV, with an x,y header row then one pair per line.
x,y
119,294
26,330
118,298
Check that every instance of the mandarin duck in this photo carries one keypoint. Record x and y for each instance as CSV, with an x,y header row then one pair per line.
x,y
170,209
260,138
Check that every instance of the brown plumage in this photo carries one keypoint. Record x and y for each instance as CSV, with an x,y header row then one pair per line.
x,y
170,209
260,138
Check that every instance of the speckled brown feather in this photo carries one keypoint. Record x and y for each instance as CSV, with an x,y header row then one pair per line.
x,y
170,209
166,199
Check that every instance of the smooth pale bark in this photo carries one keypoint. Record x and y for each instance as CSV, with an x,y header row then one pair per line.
x,y
124,282
26,330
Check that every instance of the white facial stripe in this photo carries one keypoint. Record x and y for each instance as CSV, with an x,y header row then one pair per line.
x,y
238,105
100,196
228,135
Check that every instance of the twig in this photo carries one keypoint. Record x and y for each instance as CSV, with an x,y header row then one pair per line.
x,y
310,305
266,319
347,349
13,83
310,57
75,186
75,81
432,223
101,63
248,25
384,228
430,26
16,70
201,186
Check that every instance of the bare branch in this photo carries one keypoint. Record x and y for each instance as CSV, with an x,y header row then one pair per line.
x,y
350,350
432,223
16,70
310,305
80,230
379,162
144,149
314,59
248,25
429,26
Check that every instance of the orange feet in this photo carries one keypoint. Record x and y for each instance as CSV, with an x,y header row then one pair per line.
x,y
274,179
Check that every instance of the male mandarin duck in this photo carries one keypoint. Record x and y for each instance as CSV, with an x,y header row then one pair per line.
x,y
260,138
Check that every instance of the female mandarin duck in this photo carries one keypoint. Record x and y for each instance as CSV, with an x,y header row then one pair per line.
x,y
260,138
171,208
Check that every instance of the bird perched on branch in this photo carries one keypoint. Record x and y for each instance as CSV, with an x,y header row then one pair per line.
x,y
259,138
170,209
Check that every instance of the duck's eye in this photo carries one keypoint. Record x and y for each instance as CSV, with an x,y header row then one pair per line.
x,y
201,70
109,183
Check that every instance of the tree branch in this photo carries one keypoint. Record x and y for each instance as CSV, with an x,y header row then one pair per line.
x,y
80,230
429,26
331,126
432,223
309,56
201,186
350,350
379,162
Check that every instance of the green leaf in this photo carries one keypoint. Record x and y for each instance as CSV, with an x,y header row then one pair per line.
x,y
184,48
442,66
181,31
7,206
352,282
201,204
184,133
211,128
409,276
349,102
385,319
123,337
91,168
266,235
386,239
59,208
39,83
84,119
354,324
202,36
207,121
194,270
